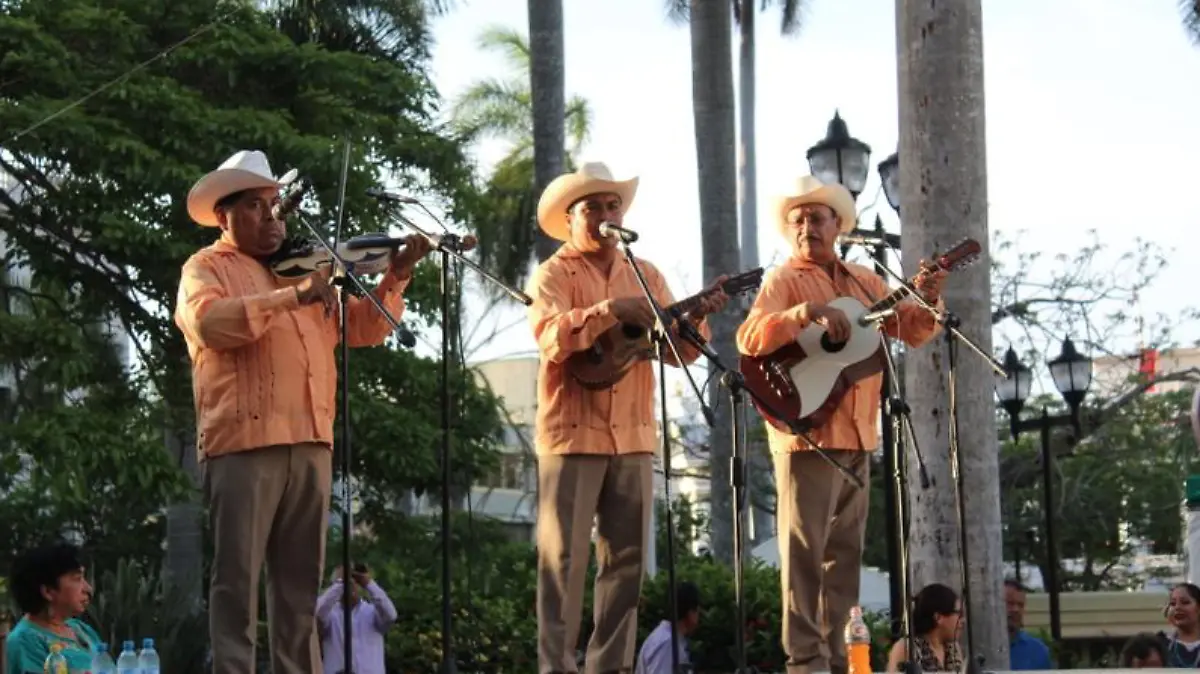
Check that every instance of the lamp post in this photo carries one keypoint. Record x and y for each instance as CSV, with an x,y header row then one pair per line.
x,y
843,159
1072,375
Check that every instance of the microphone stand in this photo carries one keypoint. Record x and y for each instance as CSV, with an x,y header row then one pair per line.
x,y
450,246
343,276
662,342
735,383
950,322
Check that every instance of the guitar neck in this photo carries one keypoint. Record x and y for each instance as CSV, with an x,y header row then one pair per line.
x,y
687,304
896,296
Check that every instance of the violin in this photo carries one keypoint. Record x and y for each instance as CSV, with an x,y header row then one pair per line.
x,y
367,254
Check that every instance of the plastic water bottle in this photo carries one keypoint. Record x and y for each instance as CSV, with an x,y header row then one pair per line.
x,y
56,662
147,660
858,642
127,661
102,662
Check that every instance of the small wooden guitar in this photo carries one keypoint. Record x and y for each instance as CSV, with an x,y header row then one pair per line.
x,y
806,380
624,345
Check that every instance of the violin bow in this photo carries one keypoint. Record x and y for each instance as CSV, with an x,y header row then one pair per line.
x,y
341,205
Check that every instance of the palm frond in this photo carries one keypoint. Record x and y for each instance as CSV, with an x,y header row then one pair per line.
x,y
679,11
507,41
494,108
579,123
1191,18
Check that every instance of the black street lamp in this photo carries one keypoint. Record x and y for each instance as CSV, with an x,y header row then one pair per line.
x,y
841,158
889,173
1072,375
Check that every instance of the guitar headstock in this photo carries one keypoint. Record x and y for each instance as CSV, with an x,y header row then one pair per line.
x,y
961,255
743,282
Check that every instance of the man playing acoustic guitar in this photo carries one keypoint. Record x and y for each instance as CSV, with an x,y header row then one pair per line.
x,y
822,515
594,446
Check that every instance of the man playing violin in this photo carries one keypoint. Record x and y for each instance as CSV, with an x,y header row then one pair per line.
x,y
594,446
822,515
264,382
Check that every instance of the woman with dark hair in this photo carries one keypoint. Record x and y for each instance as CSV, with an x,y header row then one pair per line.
x,y
48,585
936,618
1183,612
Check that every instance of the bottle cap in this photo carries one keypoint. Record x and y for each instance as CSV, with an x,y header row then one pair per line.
x,y
148,643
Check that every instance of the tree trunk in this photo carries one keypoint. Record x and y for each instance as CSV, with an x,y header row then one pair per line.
x,y
943,199
716,162
548,90
747,170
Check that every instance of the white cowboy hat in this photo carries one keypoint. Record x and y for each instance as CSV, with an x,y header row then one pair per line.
x,y
810,190
245,170
590,178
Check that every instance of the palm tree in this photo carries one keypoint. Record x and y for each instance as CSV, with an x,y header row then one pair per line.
x,y
504,109
943,196
744,15
548,92
1191,18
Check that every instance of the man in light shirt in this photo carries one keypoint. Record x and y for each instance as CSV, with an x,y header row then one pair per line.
x,y
655,657
371,617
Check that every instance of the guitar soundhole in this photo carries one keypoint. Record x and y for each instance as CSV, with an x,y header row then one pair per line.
x,y
594,357
632,331
831,346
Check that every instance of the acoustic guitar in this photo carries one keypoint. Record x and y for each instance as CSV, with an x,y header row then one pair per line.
x,y
622,346
805,380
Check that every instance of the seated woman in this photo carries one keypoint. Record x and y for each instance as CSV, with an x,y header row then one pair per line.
x,y
48,586
1183,612
936,618
1144,650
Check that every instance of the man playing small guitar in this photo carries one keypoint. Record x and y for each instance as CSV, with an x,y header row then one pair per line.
x,y
822,515
594,446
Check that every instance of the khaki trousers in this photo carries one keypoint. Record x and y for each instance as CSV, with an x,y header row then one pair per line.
x,y
822,518
617,491
267,506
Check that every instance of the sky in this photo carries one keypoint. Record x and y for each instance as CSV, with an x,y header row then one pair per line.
x,y
1089,117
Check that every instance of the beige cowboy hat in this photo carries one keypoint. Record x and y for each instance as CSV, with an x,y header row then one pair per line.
x,y
810,190
565,190
245,170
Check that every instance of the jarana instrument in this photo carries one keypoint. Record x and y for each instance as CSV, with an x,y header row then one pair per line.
x,y
619,348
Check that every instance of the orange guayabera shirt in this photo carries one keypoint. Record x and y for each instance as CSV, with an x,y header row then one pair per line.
x,y
263,365
775,320
569,312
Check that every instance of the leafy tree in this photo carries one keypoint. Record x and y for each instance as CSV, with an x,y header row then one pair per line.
x,y
1191,18
98,209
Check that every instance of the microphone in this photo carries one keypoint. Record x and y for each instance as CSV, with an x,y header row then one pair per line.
x,y
406,338
384,195
873,316
610,231
291,201
852,239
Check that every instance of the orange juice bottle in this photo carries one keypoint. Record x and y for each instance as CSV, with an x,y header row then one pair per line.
x,y
858,642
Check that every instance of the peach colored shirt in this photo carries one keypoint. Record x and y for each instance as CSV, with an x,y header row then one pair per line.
x,y
570,310
263,365
775,320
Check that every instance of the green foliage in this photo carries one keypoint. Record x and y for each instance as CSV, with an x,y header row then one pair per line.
x,y
1121,488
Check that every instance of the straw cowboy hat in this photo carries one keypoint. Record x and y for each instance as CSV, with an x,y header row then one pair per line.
x,y
565,190
245,170
809,190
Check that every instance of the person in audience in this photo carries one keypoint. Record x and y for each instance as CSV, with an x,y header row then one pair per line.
x,y
49,588
936,621
1144,650
1025,651
370,619
655,657
1183,645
